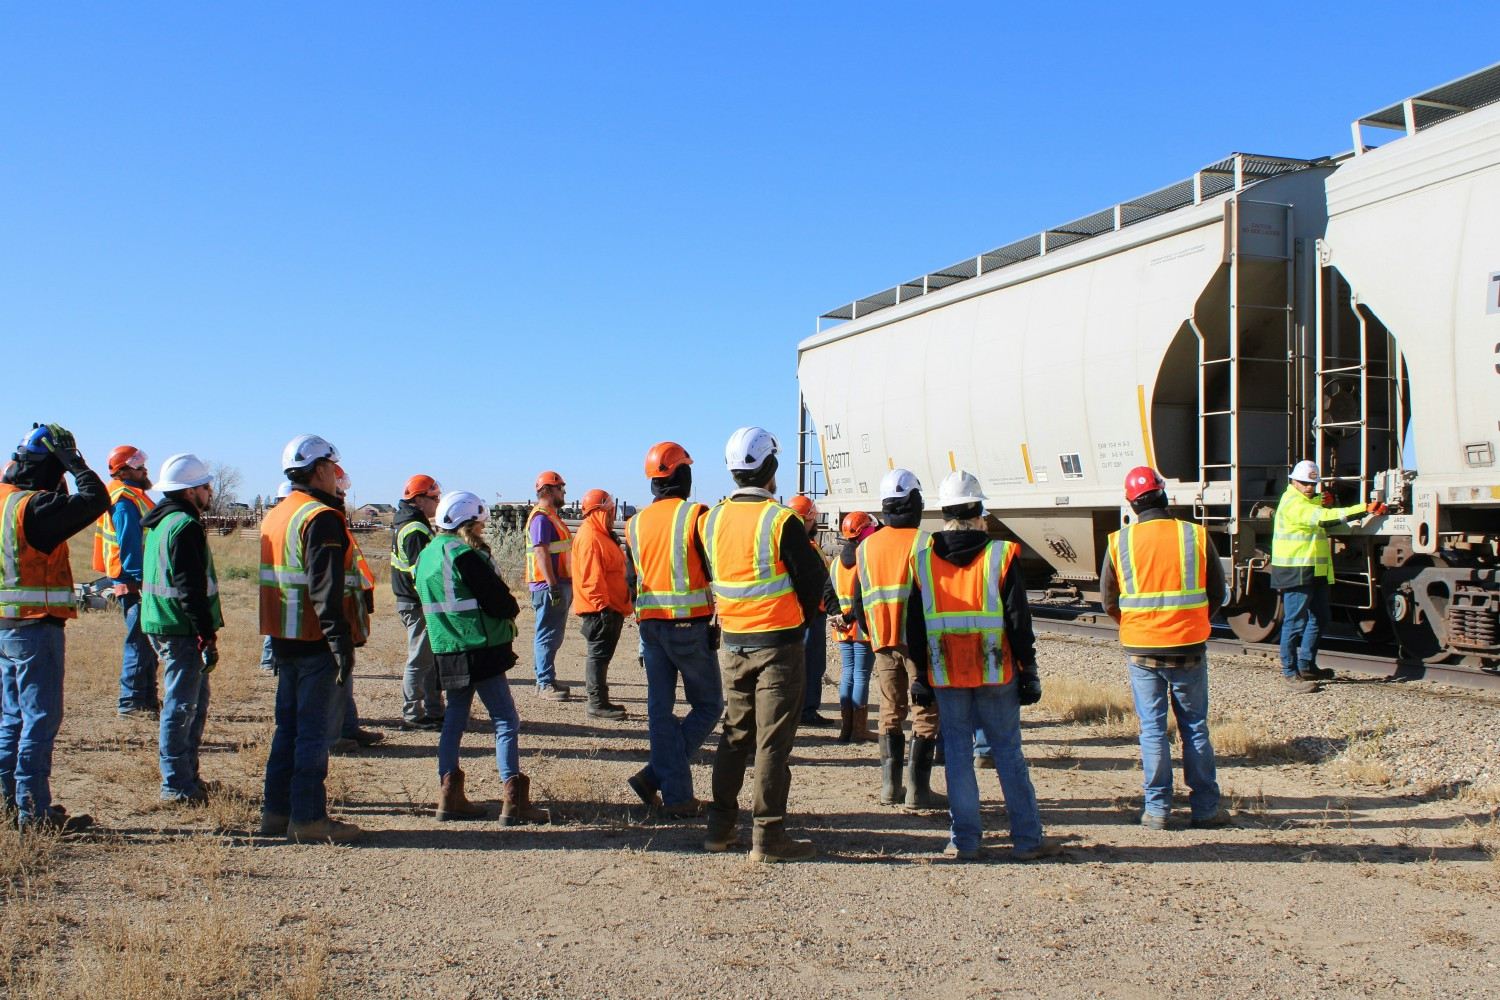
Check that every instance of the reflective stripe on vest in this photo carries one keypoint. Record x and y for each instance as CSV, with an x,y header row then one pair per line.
x,y
106,539
450,602
977,611
558,548
682,591
32,585
1297,542
1162,569
399,562
162,612
843,585
455,621
286,610
752,589
884,564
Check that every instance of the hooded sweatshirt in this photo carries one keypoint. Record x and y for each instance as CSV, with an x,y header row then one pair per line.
x,y
598,568
187,557
961,548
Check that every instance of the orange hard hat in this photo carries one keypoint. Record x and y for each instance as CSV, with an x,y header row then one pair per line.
x,y
597,500
665,458
421,486
127,456
804,506
856,523
548,479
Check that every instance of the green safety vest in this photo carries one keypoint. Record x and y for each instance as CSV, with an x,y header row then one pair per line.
x,y
455,622
1299,545
162,610
398,546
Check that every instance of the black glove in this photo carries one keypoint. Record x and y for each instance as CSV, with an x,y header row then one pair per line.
x,y
208,646
715,636
1028,686
554,595
60,441
921,693
345,660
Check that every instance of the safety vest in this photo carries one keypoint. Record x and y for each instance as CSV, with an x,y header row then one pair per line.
x,y
286,610
399,562
32,585
843,585
1162,568
965,615
752,589
106,541
455,621
884,564
1299,547
671,580
558,548
162,610
365,582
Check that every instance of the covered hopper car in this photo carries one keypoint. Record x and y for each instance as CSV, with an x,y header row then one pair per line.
x,y
1263,310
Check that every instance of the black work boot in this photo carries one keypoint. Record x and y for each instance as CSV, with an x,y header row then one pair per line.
x,y
919,793
892,761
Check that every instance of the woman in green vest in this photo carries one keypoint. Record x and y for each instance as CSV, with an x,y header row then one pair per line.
x,y
180,616
470,615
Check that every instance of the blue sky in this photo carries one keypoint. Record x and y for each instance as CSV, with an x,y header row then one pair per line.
x,y
482,240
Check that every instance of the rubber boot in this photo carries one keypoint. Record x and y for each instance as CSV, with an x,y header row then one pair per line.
x,y
919,794
861,732
453,803
892,760
846,721
516,807
771,844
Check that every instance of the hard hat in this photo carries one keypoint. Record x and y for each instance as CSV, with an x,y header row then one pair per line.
x,y
597,500
665,458
459,507
305,449
748,449
856,523
549,479
1142,480
959,489
284,490
898,484
804,506
33,444
181,472
422,486
1305,472
343,482
127,456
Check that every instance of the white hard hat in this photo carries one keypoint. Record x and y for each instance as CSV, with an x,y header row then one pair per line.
x,y
959,489
182,472
284,490
1305,471
459,507
898,484
748,449
305,449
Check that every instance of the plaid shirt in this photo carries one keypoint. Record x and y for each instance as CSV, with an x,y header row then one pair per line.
x,y
1168,662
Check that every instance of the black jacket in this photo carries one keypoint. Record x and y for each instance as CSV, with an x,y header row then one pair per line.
x,y
961,548
459,670
53,515
187,559
1215,584
402,584
327,542
804,564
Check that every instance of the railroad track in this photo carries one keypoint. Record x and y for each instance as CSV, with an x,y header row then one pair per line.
x,y
1337,651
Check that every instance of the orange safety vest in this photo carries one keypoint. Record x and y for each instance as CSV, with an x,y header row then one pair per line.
x,y
32,585
286,610
843,585
965,614
884,564
558,548
366,582
106,542
752,588
671,580
1162,567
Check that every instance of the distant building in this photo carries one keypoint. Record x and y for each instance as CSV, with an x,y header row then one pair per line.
x,y
381,512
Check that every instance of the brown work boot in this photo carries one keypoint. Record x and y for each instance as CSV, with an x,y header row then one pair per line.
x,y
771,844
453,803
723,835
684,810
1050,847
322,831
846,721
273,824
516,807
861,732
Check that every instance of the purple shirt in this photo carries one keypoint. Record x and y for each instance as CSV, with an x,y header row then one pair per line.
x,y
543,533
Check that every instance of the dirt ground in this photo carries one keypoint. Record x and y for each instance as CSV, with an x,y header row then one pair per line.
x,y
1322,888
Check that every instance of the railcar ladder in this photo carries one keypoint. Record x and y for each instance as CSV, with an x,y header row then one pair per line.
x,y
811,482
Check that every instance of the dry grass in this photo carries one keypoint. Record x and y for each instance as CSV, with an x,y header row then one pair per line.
x,y
1088,704
1363,759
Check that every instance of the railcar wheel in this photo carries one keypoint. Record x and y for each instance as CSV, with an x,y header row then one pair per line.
x,y
1373,624
1256,618
1419,639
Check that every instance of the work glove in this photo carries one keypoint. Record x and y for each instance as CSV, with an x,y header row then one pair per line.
x,y
1028,686
554,595
209,647
1375,508
344,658
1328,498
921,693
62,444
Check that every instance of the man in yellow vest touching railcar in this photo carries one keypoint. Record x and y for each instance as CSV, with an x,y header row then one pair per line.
x,y
118,549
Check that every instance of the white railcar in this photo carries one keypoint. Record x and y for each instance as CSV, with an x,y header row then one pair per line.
x,y
1264,310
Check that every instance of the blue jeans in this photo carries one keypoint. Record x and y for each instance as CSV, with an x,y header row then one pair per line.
x,y
267,662
138,665
31,695
1304,613
551,619
1186,690
495,694
674,649
998,711
298,765
183,712
815,645
981,743
854,683
343,714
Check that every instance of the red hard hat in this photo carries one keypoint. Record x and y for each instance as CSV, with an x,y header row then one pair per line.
x,y
855,524
421,486
665,458
549,479
1142,480
804,506
126,456
597,500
